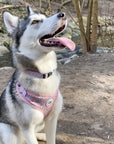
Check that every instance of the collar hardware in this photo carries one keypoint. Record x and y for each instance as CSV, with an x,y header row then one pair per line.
x,y
39,75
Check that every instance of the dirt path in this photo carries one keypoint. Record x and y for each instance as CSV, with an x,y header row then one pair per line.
x,y
87,86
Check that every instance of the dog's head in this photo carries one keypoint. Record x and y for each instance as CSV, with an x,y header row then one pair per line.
x,y
36,32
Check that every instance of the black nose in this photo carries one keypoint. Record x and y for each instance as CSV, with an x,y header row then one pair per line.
x,y
61,15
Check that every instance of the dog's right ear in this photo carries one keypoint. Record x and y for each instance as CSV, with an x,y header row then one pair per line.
x,y
10,21
29,10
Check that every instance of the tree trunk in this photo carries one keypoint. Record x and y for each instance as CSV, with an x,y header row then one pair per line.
x,y
94,26
88,28
81,26
82,5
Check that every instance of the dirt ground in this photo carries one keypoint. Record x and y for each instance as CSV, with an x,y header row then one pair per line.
x,y
87,86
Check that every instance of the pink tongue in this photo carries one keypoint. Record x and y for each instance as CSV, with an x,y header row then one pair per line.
x,y
66,42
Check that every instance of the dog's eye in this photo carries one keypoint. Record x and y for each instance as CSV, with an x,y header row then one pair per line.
x,y
35,22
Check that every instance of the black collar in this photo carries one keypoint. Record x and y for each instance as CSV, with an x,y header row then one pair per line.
x,y
39,75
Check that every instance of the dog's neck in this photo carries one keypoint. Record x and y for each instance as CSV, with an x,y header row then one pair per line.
x,y
47,63
44,63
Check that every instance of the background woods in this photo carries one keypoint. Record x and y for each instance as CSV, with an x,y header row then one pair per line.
x,y
91,22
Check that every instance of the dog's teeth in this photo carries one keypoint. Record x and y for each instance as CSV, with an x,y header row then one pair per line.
x,y
50,43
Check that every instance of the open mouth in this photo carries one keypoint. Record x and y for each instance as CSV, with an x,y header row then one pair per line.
x,y
49,40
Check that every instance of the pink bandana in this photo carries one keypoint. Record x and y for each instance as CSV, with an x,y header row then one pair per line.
x,y
39,102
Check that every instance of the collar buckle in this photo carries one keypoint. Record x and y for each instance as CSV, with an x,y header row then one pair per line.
x,y
44,76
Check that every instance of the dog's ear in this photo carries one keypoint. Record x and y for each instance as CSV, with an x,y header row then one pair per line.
x,y
10,21
29,10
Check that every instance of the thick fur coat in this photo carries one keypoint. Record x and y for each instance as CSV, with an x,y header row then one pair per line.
x,y
31,50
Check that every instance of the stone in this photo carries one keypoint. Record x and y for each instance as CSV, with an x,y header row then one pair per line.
x,y
75,37
3,50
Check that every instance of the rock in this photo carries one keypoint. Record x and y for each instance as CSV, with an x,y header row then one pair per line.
x,y
68,35
6,59
68,30
72,25
75,37
3,50
84,20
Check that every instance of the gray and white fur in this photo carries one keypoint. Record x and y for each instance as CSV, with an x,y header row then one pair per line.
x,y
20,122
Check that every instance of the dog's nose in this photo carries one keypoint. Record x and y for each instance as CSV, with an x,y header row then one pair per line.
x,y
61,15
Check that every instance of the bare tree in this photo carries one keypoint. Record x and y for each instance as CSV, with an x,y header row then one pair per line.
x,y
81,26
88,39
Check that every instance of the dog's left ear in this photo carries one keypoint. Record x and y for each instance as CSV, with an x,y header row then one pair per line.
x,y
10,21
29,10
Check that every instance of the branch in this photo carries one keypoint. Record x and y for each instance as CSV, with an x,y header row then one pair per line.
x,y
76,23
82,5
65,2
9,6
24,3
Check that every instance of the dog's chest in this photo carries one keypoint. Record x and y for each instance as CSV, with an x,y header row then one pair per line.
x,y
42,103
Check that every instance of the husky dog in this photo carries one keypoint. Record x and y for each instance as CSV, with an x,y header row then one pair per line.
x,y
32,101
